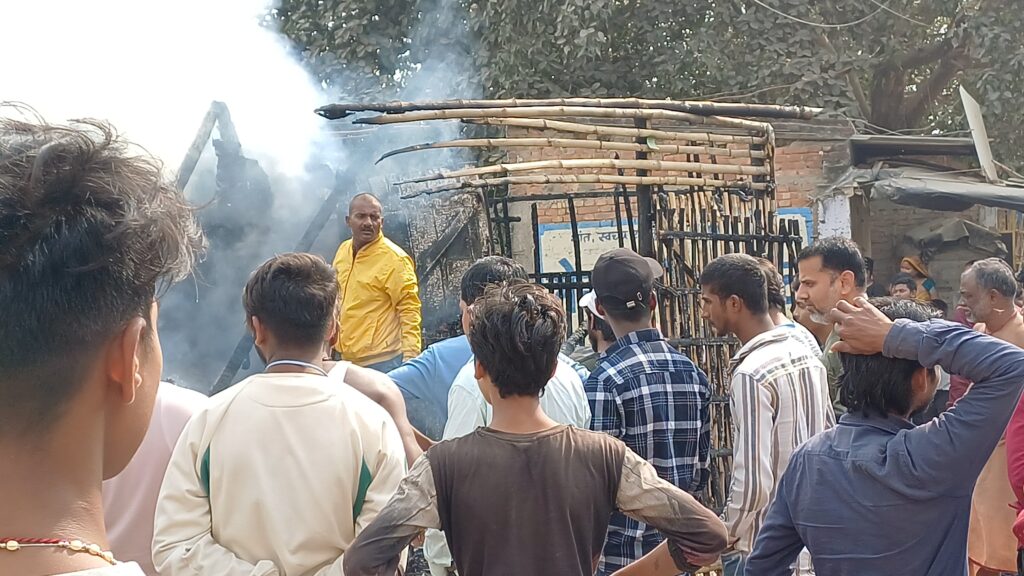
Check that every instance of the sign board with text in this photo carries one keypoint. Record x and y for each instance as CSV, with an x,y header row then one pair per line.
x,y
595,238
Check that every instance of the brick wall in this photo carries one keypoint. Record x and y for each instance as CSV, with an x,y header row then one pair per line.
x,y
557,211
803,162
808,154
801,167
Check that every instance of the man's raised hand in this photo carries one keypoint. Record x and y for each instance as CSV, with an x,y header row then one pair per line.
x,y
861,327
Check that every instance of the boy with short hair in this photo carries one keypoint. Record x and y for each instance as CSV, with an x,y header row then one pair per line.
x,y
278,474
526,495
90,231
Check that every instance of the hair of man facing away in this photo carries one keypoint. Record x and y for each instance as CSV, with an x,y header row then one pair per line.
x,y
603,327
878,385
774,283
737,275
294,296
90,233
486,271
518,329
837,255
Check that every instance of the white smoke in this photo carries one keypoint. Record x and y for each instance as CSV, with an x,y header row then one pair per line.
x,y
152,69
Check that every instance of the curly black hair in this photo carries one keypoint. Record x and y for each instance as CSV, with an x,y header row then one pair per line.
x,y
517,332
880,385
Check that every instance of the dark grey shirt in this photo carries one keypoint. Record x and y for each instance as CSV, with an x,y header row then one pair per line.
x,y
880,496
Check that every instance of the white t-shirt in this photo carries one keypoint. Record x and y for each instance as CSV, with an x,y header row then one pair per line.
x,y
129,499
564,400
122,569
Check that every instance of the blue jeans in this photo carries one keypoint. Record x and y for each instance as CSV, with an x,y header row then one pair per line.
x,y
386,366
733,564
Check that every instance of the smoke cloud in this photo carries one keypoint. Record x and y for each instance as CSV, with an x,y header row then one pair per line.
x,y
153,69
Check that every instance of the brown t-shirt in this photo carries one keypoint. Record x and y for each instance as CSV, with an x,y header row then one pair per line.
x,y
531,504
527,504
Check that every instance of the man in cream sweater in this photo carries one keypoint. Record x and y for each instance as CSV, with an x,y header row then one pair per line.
x,y
280,473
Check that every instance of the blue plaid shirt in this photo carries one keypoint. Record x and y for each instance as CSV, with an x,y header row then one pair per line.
x,y
653,398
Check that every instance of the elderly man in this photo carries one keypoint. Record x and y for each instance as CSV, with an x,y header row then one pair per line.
x,y
380,304
987,291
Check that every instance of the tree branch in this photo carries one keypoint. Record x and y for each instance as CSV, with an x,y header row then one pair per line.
x,y
930,89
851,78
925,54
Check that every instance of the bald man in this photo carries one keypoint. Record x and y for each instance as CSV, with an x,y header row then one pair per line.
x,y
380,305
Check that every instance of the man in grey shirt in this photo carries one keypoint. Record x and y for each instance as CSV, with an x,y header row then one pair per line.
x,y
877,495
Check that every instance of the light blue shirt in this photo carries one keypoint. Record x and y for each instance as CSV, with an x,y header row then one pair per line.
x,y
426,379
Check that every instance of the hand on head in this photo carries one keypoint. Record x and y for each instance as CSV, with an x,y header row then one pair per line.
x,y
861,327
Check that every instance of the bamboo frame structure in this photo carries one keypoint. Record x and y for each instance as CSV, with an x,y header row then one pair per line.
x,y
341,110
594,179
575,143
562,111
602,163
580,128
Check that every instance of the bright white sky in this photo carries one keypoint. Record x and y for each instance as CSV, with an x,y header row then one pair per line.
x,y
152,69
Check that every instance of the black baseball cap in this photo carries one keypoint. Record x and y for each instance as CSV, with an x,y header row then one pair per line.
x,y
623,280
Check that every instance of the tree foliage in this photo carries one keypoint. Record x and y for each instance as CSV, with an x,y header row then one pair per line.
x,y
894,64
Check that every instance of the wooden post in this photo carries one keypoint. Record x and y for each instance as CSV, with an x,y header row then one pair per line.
x,y
535,225
643,201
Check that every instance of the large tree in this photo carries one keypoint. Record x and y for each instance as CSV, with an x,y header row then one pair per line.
x,y
893,64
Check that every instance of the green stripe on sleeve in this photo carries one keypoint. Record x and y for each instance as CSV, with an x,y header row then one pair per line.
x,y
364,486
204,472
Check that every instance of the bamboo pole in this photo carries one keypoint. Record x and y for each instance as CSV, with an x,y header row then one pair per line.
x,y
560,111
591,179
563,126
341,110
574,143
594,163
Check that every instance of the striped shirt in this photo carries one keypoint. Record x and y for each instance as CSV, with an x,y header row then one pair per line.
x,y
653,398
804,336
779,399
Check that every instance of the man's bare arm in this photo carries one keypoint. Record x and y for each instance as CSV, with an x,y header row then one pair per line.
x,y
410,511
382,390
696,536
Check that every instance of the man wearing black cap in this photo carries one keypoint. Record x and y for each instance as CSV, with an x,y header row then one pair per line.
x,y
646,393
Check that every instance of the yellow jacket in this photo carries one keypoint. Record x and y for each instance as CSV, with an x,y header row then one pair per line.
x,y
380,304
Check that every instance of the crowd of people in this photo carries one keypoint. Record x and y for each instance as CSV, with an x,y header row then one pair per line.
x,y
846,458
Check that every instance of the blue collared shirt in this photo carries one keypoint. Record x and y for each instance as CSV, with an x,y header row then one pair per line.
x,y
426,379
652,397
877,495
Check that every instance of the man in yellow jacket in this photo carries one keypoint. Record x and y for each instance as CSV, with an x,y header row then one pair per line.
x,y
380,304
